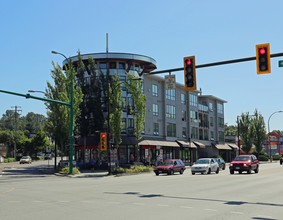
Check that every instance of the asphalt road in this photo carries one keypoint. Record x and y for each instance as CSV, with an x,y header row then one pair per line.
x,y
26,192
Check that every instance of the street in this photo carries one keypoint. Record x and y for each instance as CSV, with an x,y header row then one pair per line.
x,y
29,192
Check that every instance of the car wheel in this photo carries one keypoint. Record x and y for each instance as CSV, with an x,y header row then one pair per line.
x,y
256,170
157,173
240,171
209,171
217,171
181,171
169,172
249,171
193,173
223,167
231,171
281,162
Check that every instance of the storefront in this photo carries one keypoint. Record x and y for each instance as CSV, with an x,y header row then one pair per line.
x,y
155,151
224,151
188,151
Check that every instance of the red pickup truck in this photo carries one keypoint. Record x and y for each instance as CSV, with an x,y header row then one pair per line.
x,y
244,163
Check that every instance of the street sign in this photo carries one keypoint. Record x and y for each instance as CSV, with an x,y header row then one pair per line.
x,y
48,149
170,82
280,63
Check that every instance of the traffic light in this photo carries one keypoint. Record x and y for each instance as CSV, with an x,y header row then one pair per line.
x,y
190,73
103,141
263,58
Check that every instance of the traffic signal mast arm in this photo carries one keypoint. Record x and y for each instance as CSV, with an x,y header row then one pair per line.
x,y
216,63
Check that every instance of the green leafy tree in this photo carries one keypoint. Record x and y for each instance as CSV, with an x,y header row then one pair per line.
x,y
39,142
116,109
259,131
91,118
58,115
246,130
139,108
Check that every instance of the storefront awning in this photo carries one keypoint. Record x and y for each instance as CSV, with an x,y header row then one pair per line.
x,y
187,144
234,146
158,143
200,145
222,146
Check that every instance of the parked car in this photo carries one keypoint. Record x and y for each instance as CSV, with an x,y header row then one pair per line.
x,y
170,167
47,157
244,163
281,159
221,163
25,159
205,165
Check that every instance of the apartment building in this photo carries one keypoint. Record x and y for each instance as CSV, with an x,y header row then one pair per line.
x,y
178,124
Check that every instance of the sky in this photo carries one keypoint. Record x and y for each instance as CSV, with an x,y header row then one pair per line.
x,y
164,30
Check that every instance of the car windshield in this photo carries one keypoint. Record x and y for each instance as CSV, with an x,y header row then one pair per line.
x,y
167,163
242,158
25,157
202,162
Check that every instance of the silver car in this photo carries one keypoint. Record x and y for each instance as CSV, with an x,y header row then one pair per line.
x,y
205,165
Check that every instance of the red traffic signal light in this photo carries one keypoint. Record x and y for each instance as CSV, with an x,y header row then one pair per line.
x,y
103,141
263,58
190,73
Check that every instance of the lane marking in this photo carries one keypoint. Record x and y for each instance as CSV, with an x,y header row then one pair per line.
x,y
10,190
264,173
138,203
213,210
186,207
239,213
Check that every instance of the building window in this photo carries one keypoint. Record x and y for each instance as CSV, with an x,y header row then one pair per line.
x,y
193,116
155,128
112,65
171,130
205,134
102,65
184,116
137,67
193,100
184,132
170,111
212,136
154,90
124,128
194,133
122,66
183,98
221,136
211,121
130,125
171,94
210,107
221,122
155,109
220,109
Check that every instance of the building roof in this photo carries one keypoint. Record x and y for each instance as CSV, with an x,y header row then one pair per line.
x,y
212,98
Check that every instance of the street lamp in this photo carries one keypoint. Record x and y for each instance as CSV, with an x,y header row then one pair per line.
x,y
269,132
71,114
108,118
37,91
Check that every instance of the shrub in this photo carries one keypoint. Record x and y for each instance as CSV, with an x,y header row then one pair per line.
x,y
9,160
276,157
132,169
66,170
263,158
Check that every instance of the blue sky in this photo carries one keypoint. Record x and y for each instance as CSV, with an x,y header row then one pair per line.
x,y
165,30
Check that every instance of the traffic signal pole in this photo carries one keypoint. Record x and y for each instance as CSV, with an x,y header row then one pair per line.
x,y
215,64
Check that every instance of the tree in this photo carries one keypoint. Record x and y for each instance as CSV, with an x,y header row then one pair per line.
x,y
116,109
91,118
39,142
139,108
246,130
259,131
59,115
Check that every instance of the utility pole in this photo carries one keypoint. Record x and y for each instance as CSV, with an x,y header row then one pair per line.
x,y
15,128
